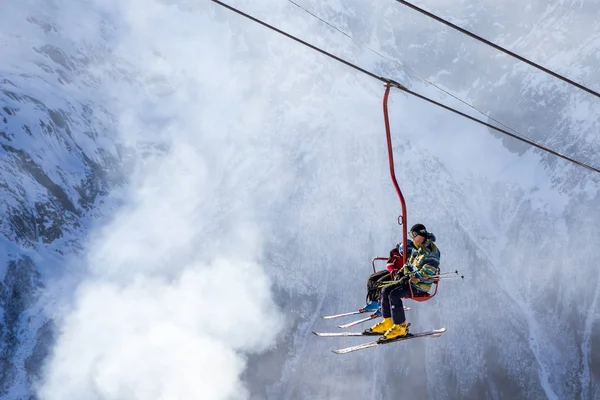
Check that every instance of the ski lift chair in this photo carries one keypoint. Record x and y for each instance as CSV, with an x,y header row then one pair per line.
x,y
413,296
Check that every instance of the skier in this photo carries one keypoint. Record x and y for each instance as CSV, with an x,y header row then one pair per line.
x,y
423,263
393,268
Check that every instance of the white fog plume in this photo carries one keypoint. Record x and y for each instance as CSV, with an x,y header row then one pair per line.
x,y
172,302
151,339
157,320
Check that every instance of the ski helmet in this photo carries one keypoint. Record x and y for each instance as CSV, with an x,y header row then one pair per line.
x,y
418,230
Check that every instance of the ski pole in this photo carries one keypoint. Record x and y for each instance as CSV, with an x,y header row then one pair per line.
x,y
434,277
449,273
448,277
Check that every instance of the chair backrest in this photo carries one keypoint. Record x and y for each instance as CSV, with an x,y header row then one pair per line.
x,y
377,259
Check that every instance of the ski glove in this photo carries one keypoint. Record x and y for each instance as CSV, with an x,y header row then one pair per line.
x,y
397,275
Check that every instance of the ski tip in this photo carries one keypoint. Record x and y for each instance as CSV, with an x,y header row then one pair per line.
x,y
437,332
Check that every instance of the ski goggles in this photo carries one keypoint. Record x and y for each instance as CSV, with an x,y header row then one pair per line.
x,y
414,234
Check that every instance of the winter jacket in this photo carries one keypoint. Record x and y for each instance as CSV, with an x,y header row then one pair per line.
x,y
423,263
395,260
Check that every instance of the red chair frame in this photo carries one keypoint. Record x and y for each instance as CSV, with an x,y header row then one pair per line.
x,y
416,297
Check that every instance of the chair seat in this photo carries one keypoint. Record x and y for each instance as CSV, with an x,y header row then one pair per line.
x,y
423,296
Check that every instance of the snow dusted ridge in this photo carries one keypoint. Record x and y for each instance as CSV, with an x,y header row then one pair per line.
x,y
185,192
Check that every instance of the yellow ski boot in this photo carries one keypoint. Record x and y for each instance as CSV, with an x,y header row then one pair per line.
x,y
379,328
395,332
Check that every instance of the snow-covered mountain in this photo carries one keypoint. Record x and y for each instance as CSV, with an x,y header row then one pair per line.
x,y
185,192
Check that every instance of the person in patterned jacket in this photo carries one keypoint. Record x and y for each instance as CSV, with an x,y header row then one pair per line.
x,y
424,262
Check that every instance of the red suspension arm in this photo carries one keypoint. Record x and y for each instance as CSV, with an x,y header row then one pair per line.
x,y
392,173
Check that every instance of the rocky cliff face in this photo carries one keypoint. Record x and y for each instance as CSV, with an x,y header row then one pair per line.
x,y
55,169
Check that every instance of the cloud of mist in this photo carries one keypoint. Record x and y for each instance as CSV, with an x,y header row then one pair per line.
x,y
156,339
176,293
164,314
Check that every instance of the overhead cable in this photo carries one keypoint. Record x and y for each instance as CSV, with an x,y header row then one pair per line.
x,y
399,65
401,87
502,49
235,10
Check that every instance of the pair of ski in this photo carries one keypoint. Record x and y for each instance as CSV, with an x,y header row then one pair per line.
x,y
374,315
346,350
